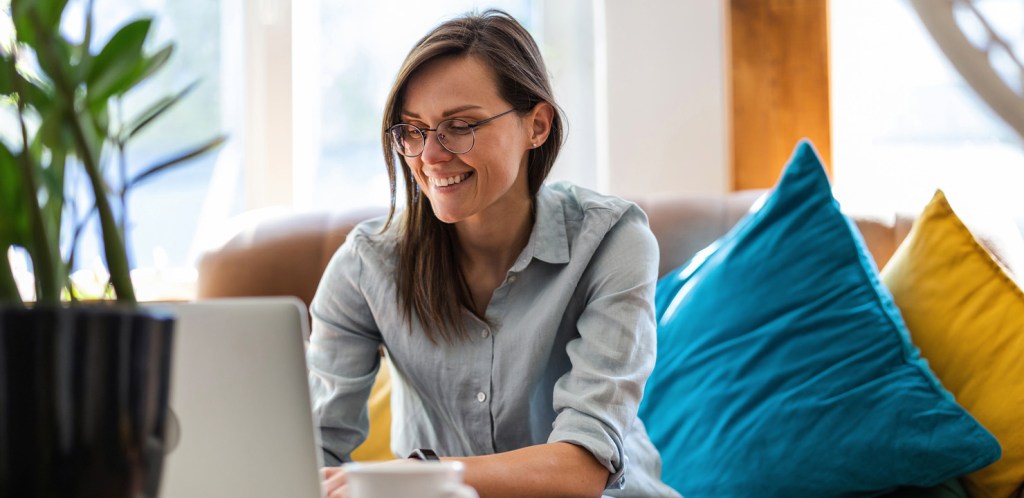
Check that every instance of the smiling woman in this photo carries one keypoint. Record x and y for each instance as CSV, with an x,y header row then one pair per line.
x,y
490,204
511,353
497,180
450,76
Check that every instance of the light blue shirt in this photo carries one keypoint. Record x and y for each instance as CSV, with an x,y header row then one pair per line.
x,y
570,345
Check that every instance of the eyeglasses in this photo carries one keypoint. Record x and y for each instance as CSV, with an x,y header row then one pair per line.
x,y
455,135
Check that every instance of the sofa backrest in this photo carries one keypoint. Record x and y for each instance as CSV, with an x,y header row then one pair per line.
x,y
685,224
287,255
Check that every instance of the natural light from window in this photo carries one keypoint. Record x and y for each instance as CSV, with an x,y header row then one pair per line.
x,y
906,123
343,56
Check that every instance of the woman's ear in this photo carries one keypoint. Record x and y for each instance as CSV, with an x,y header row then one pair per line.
x,y
538,123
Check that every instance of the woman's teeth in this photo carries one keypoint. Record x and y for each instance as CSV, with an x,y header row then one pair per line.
x,y
452,180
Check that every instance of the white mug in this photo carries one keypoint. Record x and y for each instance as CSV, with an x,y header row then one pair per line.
x,y
407,478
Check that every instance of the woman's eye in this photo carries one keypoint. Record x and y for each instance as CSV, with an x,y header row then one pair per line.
x,y
459,128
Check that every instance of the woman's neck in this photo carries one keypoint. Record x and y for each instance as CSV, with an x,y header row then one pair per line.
x,y
494,242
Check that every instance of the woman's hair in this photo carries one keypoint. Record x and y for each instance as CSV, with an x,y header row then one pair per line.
x,y
430,281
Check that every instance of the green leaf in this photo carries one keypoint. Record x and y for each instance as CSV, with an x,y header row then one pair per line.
x,y
117,67
34,91
100,119
154,111
47,14
37,25
154,63
166,165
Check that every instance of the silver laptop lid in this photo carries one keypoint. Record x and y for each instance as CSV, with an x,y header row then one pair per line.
x,y
240,391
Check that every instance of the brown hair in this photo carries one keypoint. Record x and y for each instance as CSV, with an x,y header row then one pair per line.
x,y
427,260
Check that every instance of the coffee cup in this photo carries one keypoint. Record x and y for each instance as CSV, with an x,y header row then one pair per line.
x,y
407,478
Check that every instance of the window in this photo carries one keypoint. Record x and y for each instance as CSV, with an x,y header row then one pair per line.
x,y
304,138
906,123
163,213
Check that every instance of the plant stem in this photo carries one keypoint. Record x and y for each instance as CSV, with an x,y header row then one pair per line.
x,y
8,286
87,39
123,168
43,258
113,245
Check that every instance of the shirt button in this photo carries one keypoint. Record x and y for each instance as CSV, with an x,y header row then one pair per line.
x,y
481,397
512,279
485,334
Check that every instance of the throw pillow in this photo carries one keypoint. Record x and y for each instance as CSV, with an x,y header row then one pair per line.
x,y
967,316
784,368
377,445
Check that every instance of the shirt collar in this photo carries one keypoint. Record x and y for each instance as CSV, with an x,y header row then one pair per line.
x,y
548,240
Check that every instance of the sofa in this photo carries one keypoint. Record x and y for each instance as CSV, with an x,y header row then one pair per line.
x,y
287,254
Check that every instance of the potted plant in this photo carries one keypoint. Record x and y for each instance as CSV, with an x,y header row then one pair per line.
x,y
83,385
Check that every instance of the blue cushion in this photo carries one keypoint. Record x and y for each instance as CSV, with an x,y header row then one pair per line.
x,y
784,368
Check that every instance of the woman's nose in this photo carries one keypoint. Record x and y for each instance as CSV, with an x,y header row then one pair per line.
x,y
433,151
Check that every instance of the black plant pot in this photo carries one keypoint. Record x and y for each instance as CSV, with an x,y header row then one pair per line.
x,y
83,401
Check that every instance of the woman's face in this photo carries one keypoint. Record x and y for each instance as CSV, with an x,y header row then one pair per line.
x,y
490,179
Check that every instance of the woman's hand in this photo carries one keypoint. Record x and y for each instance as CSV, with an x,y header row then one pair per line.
x,y
334,482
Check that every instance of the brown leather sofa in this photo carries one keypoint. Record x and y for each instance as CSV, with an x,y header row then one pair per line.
x,y
287,255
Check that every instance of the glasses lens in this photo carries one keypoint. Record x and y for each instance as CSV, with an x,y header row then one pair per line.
x,y
407,139
455,135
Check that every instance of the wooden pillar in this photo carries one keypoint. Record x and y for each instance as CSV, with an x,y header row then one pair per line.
x,y
780,85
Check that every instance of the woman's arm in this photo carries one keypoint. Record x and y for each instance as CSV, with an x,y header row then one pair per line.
x,y
552,469
342,355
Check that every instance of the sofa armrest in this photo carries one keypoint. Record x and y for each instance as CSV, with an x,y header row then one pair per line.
x,y
279,256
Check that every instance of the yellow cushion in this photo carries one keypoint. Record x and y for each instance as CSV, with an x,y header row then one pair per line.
x,y
378,442
966,315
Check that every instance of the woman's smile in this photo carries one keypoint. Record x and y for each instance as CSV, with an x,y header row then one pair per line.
x,y
446,184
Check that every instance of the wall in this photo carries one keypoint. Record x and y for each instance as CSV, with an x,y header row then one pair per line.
x,y
662,116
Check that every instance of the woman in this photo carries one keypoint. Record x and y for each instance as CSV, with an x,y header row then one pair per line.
x,y
518,317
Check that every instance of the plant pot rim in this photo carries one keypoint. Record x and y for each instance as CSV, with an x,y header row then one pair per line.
x,y
98,307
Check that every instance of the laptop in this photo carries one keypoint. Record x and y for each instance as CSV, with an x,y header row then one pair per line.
x,y
240,394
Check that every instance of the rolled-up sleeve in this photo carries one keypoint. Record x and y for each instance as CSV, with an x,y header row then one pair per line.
x,y
597,400
342,355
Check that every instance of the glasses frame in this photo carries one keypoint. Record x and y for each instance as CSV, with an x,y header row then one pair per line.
x,y
423,131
